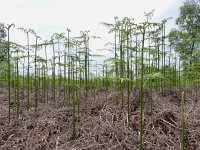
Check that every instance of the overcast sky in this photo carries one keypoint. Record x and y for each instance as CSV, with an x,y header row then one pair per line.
x,y
47,17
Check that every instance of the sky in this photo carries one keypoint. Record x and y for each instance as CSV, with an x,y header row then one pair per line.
x,y
47,17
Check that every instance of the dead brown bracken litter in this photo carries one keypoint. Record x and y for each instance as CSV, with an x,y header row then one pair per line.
x,y
104,127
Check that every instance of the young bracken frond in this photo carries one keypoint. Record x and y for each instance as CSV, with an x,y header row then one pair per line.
x,y
142,66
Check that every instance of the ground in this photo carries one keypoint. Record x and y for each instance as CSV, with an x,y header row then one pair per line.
x,y
104,126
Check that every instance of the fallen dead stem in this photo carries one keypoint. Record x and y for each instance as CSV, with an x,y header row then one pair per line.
x,y
93,146
170,124
104,127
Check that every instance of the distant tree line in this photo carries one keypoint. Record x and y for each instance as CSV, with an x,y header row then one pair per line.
x,y
2,43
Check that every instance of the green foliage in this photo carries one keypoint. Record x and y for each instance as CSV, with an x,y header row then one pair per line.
x,y
153,76
3,43
186,38
139,59
3,47
3,70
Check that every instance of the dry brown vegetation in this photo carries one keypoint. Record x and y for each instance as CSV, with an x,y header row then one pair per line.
x,y
104,127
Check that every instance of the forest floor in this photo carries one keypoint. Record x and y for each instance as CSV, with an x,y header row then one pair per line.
x,y
104,126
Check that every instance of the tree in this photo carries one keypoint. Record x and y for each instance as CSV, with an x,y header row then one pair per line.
x,y
186,39
2,42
